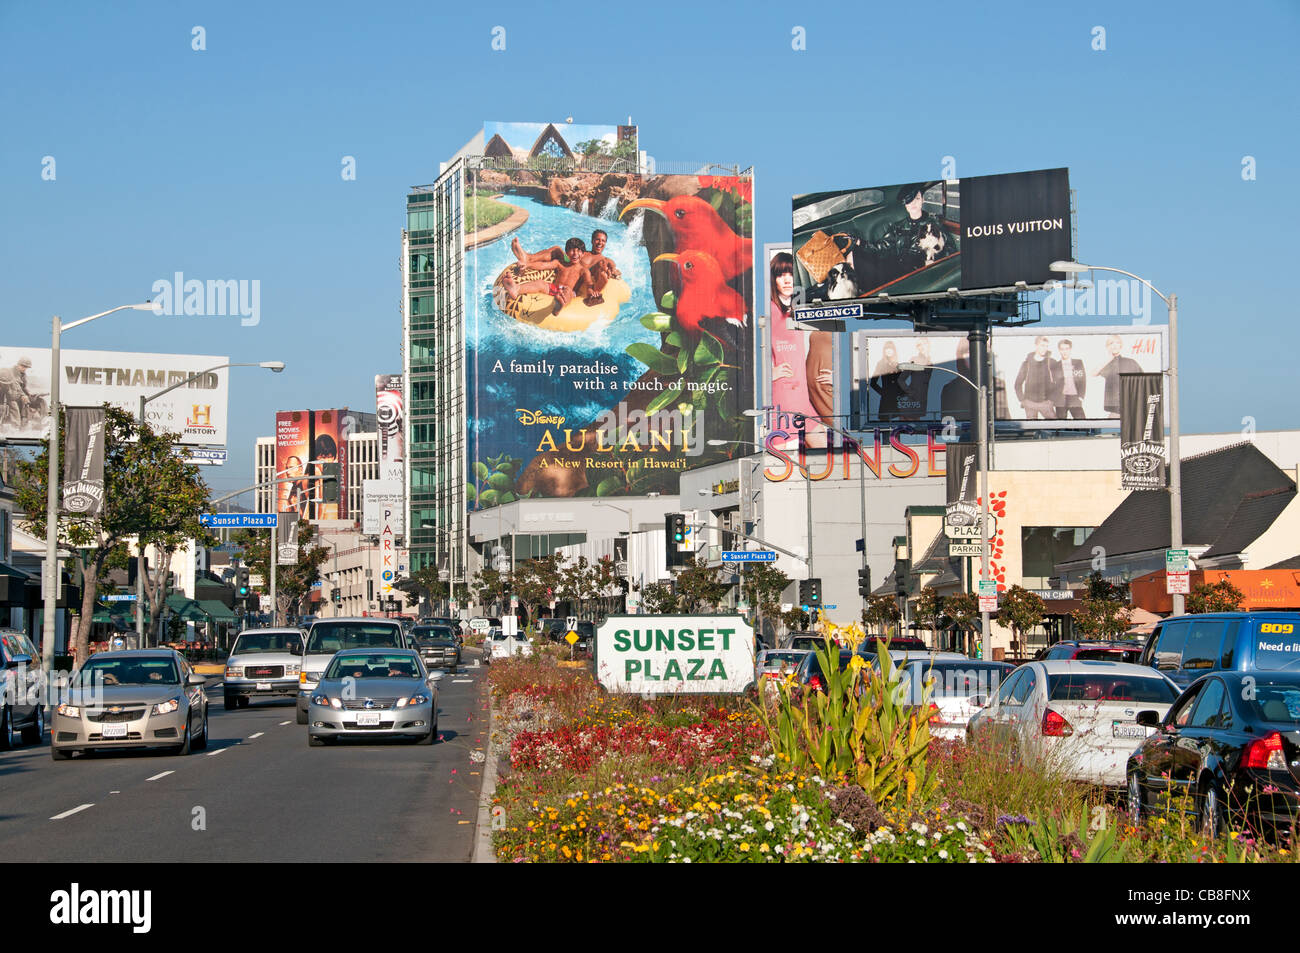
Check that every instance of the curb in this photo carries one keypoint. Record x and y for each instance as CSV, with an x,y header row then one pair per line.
x,y
483,853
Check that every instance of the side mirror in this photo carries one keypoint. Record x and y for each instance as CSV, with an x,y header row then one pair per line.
x,y
195,680
18,661
295,648
1149,719
435,677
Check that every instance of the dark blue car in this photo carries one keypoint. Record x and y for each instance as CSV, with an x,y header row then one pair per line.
x,y
1189,646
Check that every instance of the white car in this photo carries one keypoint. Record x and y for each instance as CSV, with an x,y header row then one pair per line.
x,y
955,684
771,665
504,646
1078,717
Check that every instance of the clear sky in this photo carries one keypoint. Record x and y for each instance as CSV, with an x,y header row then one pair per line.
x,y
225,162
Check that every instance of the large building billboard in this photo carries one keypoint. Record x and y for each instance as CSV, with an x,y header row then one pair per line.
x,y
1046,377
197,411
798,365
390,422
924,238
306,440
582,145
609,329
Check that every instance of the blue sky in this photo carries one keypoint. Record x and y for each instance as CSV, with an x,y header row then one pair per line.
x,y
225,163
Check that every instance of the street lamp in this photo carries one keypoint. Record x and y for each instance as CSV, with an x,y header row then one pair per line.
x,y
274,366
52,490
983,453
1175,460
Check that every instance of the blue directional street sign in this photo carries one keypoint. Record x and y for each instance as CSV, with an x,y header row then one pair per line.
x,y
748,556
832,606
239,520
121,597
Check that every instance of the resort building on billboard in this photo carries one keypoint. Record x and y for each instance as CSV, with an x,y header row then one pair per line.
x,y
576,328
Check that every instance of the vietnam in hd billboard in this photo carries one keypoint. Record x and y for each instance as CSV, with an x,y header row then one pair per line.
x,y
609,329
1053,377
197,411
923,238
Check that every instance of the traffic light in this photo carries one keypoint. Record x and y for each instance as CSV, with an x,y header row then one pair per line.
x,y
336,595
330,482
810,593
864,582
242,589
675,535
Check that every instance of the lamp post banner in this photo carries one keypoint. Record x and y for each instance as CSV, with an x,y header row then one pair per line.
x,y
286,540
961,464
1143,458
83,466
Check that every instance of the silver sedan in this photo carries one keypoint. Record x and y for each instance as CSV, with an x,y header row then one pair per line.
x,y
141,698
374,693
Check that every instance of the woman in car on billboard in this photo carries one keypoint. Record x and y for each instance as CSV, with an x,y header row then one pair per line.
x,y
790,357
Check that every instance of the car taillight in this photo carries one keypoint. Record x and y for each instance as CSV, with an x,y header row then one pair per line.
x,y
1055,726
935,714
815,683
1265,753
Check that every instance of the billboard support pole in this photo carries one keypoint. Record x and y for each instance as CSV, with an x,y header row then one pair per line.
x,y
979,359
273,553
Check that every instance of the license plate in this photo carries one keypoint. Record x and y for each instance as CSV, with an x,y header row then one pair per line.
x,y
1119,729
367,718
263,686
115,731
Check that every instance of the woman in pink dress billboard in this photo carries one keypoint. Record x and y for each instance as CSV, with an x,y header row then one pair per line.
x,y
790,359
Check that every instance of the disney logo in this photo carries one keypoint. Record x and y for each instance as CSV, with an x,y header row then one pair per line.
x,y
530,417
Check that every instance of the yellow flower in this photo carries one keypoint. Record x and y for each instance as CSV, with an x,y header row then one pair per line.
x,y
744,846
764,849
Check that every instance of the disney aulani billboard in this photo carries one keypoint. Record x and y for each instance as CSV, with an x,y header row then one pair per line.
x,y
609,328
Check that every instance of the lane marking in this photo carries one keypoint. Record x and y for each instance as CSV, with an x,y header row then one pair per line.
x,y
157,776
217,752
283,723
82,807
461,681
258,735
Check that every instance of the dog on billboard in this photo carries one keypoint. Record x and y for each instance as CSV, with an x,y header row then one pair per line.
x,y
841,282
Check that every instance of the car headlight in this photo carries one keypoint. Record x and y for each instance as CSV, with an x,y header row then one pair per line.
x,y
167,707
234,672
413,700
69,711
320,698
291,670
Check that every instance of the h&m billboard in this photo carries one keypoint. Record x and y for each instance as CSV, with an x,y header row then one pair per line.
x,y
306,440
924,238
196,411
609,329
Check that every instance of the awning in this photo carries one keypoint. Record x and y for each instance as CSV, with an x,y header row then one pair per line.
x,y
217,611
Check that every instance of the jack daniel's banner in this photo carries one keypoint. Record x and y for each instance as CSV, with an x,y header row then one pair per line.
x,y
963,485
286,540
83,467
1142,454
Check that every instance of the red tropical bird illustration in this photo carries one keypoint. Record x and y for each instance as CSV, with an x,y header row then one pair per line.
x,y
697,226
705,292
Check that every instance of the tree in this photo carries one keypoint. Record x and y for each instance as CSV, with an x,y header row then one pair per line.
x,y
963,611
1022,610
292,583
763,585
700,587
489,586
534,582
1103,613
149,492
881,611
1221,596
658,598
929,609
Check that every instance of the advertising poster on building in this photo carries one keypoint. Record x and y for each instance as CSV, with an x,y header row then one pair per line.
x,y
83,463
286,540
1142,453
925,237
197,411
963,485
675,654
798,364
305,441
383,507
609,332
390,420
1047,377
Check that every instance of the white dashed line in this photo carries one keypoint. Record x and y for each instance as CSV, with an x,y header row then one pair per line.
x,y
461,681
283,723
80,807
157,776
218,751
258,735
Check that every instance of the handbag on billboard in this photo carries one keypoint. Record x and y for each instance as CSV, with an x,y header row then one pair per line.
x,y
821,253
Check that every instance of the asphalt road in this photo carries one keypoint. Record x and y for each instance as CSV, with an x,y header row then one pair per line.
x,y
258,793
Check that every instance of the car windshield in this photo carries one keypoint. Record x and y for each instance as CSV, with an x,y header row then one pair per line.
x,y
255,643
441,641
372,665
953,679
1117,654
1277,702
777,659
129,671
331,637
1097,687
